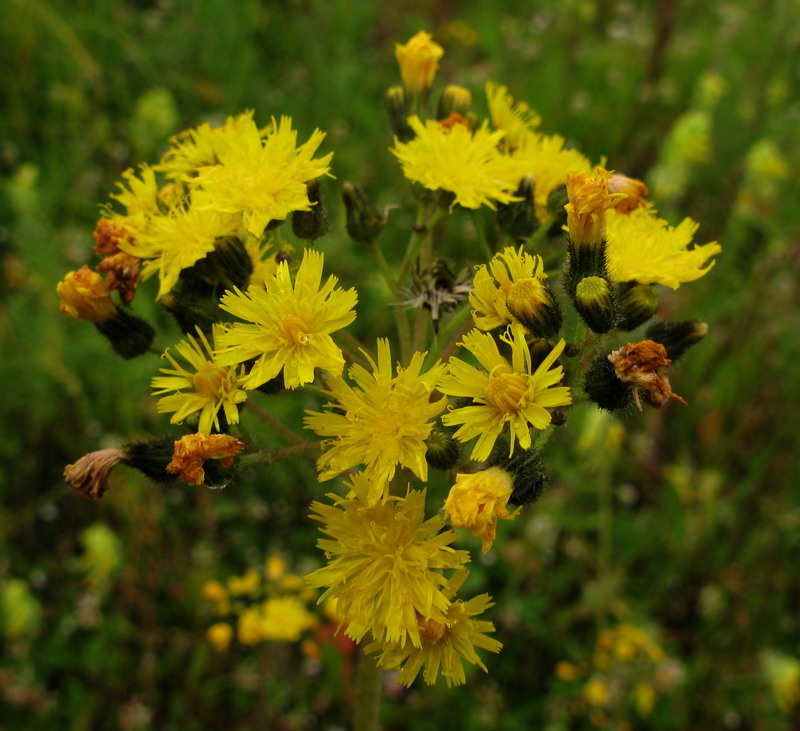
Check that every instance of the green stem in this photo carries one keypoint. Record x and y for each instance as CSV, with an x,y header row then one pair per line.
x,y
368,693
543,438
486,250
541,232
449,335
268,456
279,426
400,318
423,228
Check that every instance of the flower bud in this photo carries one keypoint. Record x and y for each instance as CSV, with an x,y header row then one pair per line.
x,y
129,336
527,470
604,388
518,218
677,337
418,59
637,304
364,222
190,311
596,304
232,263
151,458
634,190
532,303
454,99
311,225
397,107
85,296
442,451
589,199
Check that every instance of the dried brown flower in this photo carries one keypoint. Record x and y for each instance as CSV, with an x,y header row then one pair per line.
x,y
642,366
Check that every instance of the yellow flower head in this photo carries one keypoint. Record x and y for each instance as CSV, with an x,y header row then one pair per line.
x,y
382,422
478,501
642,247
263,179
246,585
140,195
504,394
173,242
285,618
192,450
85,296
288,325
220,636
445,644
418,59
491,286
549,163
384,563
207,387
514,118
589,199
458,160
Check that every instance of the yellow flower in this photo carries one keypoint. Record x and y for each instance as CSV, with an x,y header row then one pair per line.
x,y
288,326
418,59
507,393
215,591
444,643
85,296
382,422
642,247
174,242
384,563
458,160
285,618
207,387
589,199
247,584
274,568
514,118
491,286
549,163
220,635
477,501
250,627
192,450
596,692
263,179
140,196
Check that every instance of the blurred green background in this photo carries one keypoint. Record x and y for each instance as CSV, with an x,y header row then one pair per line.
x,y
685,521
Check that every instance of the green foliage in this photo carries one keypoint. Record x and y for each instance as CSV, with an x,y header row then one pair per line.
x,y
686,519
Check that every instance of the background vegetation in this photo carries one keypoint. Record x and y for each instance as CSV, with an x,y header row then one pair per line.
x,y
685,521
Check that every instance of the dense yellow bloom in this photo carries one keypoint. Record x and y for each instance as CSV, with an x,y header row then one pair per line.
x,y
504,394
515,118
173,242
458,160
264,179
382,422
642,247
589,199
288,326
85,296
545,158
444,643
491,285
207,387
477,501
140,195
384,563
418,60
220,635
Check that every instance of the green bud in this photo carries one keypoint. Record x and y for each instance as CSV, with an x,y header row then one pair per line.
x,y
583,262
637,304
364,222
677,337
454,99
151,458
442,450
190,311
518,218
311,225
398,108
129,335
532,303
231,263
596,304
604,388
527,470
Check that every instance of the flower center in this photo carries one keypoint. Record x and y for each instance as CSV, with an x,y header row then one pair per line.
x,y
295,330
507,391
430,631
209,381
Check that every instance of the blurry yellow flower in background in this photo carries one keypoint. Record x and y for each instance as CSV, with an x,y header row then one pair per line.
x,y
382,422
207,388
477,501
455,159
384,563
444,643
247,584
285,618
263,178
220,636
642,247
418,60
504,394
288,326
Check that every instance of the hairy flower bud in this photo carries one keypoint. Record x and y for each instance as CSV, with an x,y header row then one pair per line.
x,y
311,225
364,222
677,337
418,60
596,304
637,304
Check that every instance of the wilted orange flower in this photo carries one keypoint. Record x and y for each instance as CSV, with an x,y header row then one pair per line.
x,y
107,236
634,190
123,274
418,59
642,366
90,473
85,296
192,450
589,199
